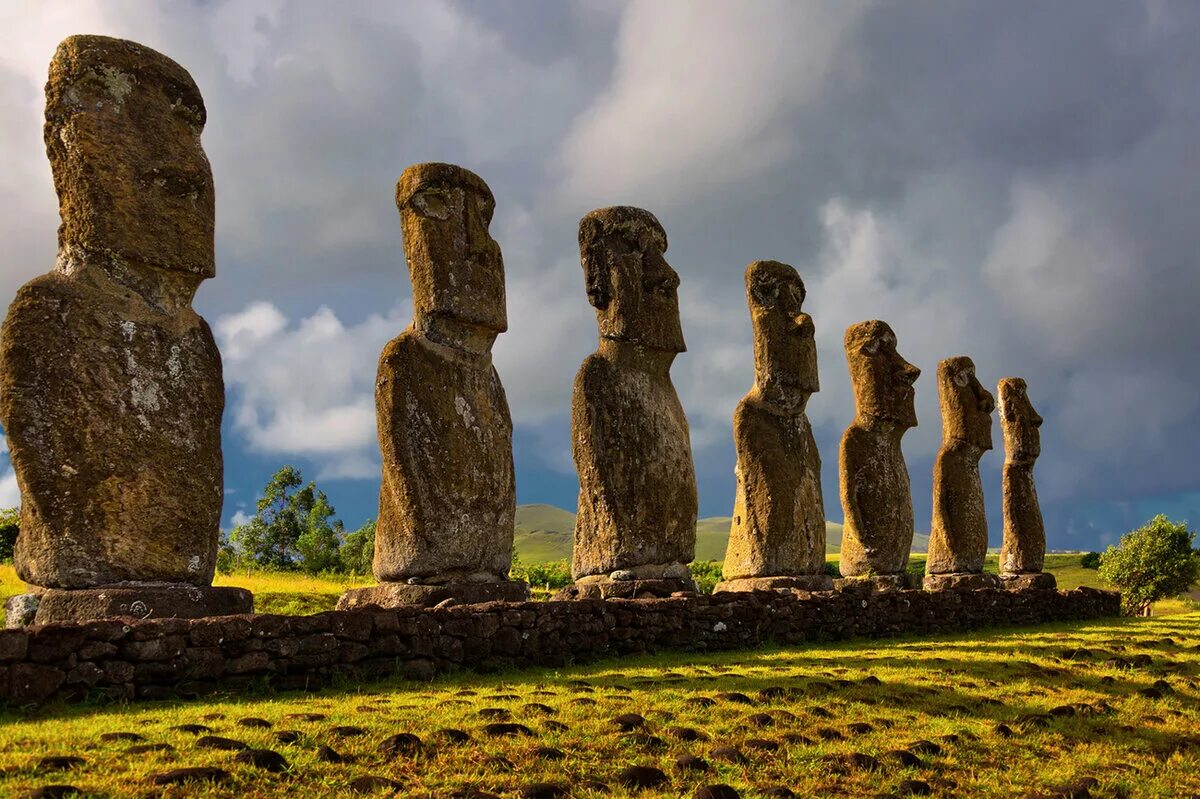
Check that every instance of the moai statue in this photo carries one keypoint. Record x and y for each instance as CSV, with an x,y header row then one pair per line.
x,y
1023,553
876,499
777,537
958,536
448,497
635,531
110,384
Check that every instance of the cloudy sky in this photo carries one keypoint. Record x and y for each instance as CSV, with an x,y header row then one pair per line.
x,y
1016,182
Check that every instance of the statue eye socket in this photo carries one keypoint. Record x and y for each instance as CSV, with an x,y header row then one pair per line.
x,y
431,202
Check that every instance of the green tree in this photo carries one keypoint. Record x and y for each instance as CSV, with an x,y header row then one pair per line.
x,y
318,543
292,527
1155,561
10,525
357,553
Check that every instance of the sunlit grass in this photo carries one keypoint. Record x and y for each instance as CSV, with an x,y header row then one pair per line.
x,y
950,691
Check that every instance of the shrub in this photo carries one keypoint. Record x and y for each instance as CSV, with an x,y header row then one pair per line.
x,y
543,575
10,525
1090,561
832,570
1155,561
706,573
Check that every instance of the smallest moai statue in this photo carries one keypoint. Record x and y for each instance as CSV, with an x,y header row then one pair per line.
x,y
958,536
777,536
1023,554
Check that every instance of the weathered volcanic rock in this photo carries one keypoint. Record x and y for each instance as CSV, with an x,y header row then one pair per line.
x,y
875,491
447,500
778,527
630,440
110,384
1023,552
959,532
142,601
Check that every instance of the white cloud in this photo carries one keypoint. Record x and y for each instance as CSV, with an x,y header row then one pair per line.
x,y
10,495
308,388
700,97
239,518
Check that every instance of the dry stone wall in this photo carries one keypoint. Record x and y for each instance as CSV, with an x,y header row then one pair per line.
x,y
153,658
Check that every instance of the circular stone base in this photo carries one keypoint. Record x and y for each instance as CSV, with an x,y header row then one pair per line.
x,y
1020,582
877,582
396,595
141,601
964,581
803,582
625,589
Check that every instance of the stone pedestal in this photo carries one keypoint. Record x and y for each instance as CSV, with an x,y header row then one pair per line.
x,y
877,582
396,595
1020,582
960,581
607,588
806,582
130,600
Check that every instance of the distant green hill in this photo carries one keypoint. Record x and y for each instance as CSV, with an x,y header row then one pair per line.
x,y
543,534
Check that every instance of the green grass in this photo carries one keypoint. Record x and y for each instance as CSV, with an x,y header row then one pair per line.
x,y
952,691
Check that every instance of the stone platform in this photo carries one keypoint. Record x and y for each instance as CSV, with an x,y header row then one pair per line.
x,y
1020,582
878,582
398,595
606,588
961,581
804,582
128,600
158,658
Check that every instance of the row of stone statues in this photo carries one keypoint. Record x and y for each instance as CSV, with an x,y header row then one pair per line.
x,y
111,396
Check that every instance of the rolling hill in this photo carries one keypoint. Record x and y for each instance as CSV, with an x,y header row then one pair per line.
x,y
543,534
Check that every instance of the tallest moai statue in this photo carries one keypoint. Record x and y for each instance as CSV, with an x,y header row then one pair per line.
x,y
110,384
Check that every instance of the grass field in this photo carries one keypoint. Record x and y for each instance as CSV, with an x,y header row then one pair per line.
x,y
1038,712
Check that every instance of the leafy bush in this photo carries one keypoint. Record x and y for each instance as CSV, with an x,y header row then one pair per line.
x,y
832,570
1090,561
357,552
706,573
543,575
1155,561
10,525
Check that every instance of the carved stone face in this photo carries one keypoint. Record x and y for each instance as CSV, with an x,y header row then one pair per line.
x,y
882,380
1019,422
456,266
966,405
785,350
122,133
629,282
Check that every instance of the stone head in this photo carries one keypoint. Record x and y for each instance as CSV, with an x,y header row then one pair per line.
x,y
122,134
1019,422
966,405
785,350
882,380
629,282
456,267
